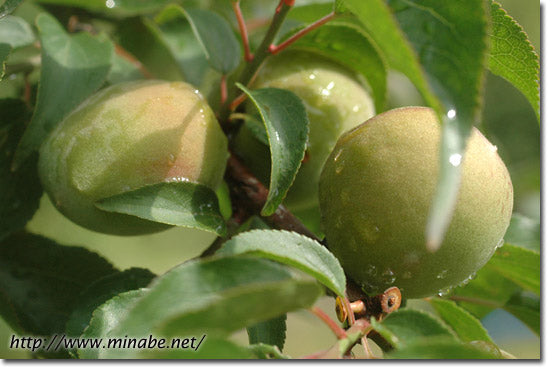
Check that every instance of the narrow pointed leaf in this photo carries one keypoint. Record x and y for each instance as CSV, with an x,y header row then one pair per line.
x,y
287,127
292,249
72,68
513,57
184,204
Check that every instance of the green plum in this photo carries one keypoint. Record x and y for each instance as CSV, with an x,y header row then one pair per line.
x,y
335,101
376,190
124,137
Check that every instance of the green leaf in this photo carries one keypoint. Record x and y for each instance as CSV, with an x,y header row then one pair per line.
x,y
524,232
217,39
8,7
513,57
383,28
181,40
5,50
443,349
142,38
185,204
466,326
106,317
407,326
519,265
287,126
16,32
292,249
270,332
72,68
211,348
102,290
41,280
214,296
508,272
527,308
21,190
351,47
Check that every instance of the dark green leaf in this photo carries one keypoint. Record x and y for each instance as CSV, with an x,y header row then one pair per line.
x,y
407,326
216,297
41,280
102,290
444,349
292,249
382,27
72,68
16,32
287,126
8,7
142,38
513,57
185,204
466,326
527,308
106,317
519,265
181,40
5,50
524,232
270,332
349,46
21,190
217,39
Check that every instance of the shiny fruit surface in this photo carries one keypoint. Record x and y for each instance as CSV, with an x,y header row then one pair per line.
x,y
124,137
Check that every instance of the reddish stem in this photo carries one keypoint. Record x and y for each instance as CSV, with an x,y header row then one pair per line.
x,y
337,330
276,49
351,316
223,89
131,58
243,31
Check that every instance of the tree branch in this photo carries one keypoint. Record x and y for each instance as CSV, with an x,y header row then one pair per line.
x,y
276,49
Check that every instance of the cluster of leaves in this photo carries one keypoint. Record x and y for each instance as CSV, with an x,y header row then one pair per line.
x,y
257,276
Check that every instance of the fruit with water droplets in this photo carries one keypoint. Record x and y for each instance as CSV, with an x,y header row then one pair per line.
x,y
335,101
124,137
376,190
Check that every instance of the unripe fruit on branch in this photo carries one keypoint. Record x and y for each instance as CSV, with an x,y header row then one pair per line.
x,y
124,137
376,190
335,102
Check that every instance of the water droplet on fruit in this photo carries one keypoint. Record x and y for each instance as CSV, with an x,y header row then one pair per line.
x,y
356,108
500,243
312,76
339,168
110,4
337,155
442,274
171,159
325,92
494,148
451,113
388,276
444,292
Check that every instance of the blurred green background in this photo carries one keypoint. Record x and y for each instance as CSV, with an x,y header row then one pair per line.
x,y
508,122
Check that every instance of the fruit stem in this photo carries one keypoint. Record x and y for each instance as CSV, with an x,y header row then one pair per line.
x,y
242,30
337,330
276,49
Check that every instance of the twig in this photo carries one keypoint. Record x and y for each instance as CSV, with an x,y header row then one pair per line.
x,y
242,30
276,49
337,330
223,89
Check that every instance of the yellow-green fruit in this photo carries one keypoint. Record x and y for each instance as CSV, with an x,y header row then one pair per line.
x,y
375,193
335,102
124,137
